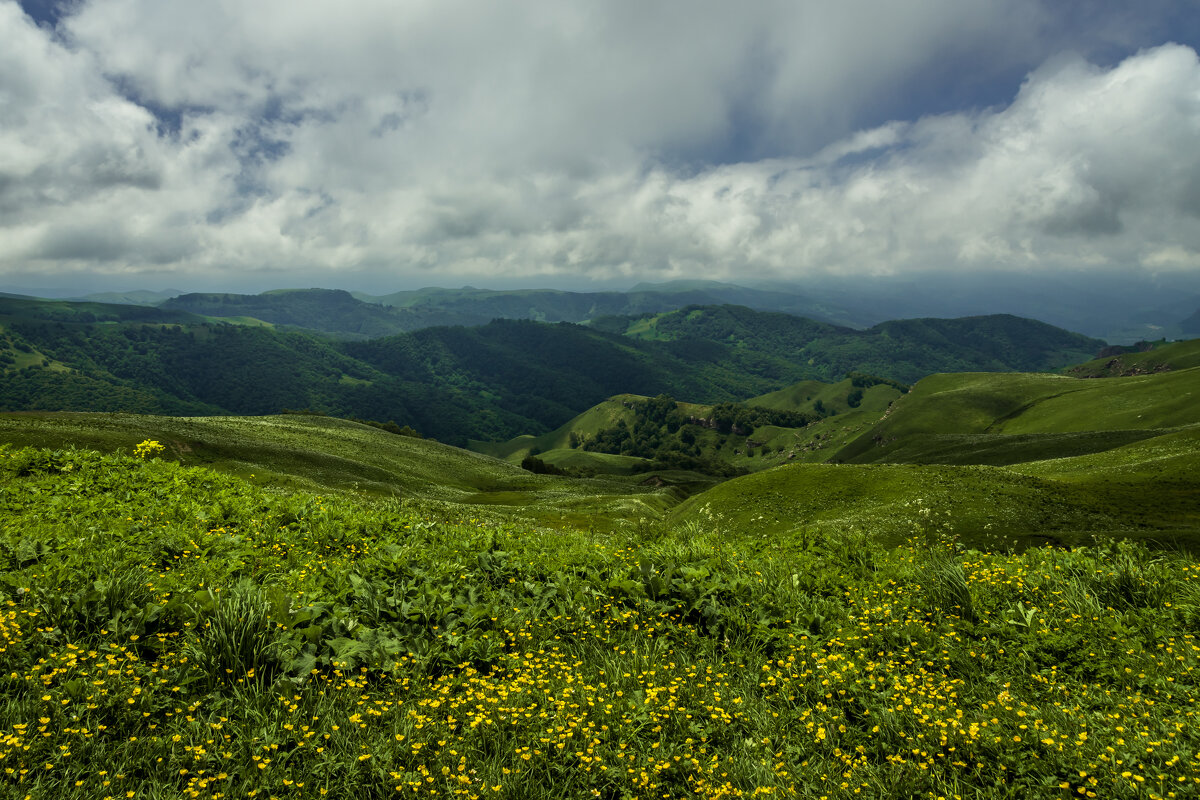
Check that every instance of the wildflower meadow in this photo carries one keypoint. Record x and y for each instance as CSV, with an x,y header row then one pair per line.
x,y
173,632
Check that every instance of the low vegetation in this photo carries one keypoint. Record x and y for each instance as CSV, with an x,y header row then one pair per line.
x,y
169,631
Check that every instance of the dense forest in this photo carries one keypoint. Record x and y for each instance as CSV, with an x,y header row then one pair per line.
x,y
670,438
490,382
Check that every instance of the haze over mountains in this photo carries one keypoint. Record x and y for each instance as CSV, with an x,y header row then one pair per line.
x,y
1121,309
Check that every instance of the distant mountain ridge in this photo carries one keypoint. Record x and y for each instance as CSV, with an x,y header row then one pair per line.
x,y
332,311
1121,307
358,316
495,381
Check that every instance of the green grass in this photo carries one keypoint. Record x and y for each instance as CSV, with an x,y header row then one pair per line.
x,y
805,395
599,463
1001,449
327,454
598,417
302,451
302,606
1167,456
989,506
979,407
169,632
1164,357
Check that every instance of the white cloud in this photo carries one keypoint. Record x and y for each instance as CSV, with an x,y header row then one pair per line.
x,y
433,141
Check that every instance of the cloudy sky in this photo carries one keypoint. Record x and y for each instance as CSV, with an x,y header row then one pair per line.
x,y
384,145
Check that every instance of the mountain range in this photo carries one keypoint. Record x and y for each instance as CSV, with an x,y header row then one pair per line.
x,y
489,382
1120,308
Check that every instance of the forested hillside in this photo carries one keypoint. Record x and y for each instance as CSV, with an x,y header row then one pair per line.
x,y
905,350
359,316
490,382
326,310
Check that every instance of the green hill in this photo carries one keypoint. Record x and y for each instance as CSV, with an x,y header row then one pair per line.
x,y
1008,418
321,454
985,506
1160,357
309,451
904,350
827,415
331,311
1111,457
357,315
486,383
470,306
65,311
597,418
140,297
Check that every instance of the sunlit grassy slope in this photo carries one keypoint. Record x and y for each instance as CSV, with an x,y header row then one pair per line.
x,y
987,506
322,454
818,442
1113,456
1005,418
598,417
1177,355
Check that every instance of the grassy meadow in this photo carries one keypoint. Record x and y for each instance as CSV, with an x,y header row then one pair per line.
x,y
987,600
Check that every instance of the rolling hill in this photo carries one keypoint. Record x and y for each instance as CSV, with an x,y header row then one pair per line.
x,y
1149,357
453,383
616,437
1017,457
905,350
1008,418
320,454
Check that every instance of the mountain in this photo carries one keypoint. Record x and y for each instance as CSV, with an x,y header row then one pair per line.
x,y
490,382
1116,310
904,350
140,297
19,308
1118,307
357,316
331,311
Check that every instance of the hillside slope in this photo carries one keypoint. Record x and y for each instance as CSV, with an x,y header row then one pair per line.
x,y
905,350
807,420
1159,357
487,383
1003,418
321,454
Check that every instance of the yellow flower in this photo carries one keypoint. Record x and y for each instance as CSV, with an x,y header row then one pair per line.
x,y
149,447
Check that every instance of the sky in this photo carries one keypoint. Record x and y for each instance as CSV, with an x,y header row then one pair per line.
x,y
379,145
